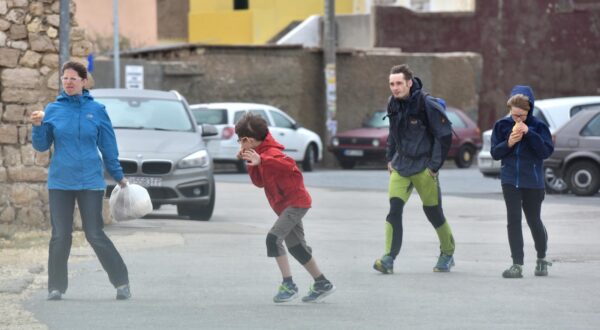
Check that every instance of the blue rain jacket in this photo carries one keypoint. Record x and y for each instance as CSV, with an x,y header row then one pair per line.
x,y
83,139
522,165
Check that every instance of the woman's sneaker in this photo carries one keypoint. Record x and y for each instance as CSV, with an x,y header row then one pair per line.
x,y
318,291
515,271
287,292
444,263
541,267
385,265
54,295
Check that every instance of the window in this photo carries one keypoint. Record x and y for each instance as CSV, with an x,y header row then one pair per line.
x,y
579,108
456,121
592,128
210,116
539,115
240,4
140,113
263,114
281,121
377,120
239,114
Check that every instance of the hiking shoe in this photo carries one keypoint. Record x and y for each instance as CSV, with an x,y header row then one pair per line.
x,y
54,295
318,291
385,265
444,263
541,267
287,292
515,271
123,292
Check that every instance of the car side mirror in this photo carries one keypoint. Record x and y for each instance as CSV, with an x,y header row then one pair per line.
x,y
208,130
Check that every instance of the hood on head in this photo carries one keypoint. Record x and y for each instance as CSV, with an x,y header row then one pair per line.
x,y
269,142
416,86
527,91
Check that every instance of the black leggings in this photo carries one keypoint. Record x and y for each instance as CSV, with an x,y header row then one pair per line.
x,y
530,200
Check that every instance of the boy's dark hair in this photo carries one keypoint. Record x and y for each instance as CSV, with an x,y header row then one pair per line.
x,y
252,126
76,66
402,68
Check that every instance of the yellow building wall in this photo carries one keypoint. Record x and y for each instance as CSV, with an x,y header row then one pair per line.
x,y
215,21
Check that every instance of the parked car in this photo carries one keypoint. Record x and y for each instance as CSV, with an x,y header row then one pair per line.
x,y
576,157
301,144
161,148
554,112
368,143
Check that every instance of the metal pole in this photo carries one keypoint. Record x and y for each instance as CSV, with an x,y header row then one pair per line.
x,y
63,37
116,51
329,52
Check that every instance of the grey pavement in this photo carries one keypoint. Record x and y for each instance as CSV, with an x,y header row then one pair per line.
x,y
215,275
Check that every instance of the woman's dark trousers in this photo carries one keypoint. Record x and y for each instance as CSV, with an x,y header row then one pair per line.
x,y
530,200
62,205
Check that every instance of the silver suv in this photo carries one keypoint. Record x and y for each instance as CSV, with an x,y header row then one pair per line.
x,y
161,148
576,156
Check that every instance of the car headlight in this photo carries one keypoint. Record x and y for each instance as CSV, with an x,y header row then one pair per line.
x,y
197,159
375,142
335,142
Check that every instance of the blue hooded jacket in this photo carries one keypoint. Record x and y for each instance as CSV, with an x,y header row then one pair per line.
x,y
83,138
522,165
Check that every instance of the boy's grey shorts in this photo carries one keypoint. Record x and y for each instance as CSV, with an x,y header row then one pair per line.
x,y
288,228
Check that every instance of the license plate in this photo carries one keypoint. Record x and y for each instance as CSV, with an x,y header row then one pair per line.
x,y
145,181
354,153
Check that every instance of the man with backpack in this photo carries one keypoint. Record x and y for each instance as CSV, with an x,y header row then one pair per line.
x,y
418,142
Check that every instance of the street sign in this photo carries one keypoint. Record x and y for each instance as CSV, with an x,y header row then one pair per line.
x,y
134,77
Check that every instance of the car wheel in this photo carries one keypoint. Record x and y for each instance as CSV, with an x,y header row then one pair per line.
x,y
310,156
464,156
347,164
554,184
241,166
198,212
583,178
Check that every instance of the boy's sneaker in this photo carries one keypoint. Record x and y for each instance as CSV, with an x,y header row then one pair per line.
x,y
444,263
385,265
318,291
541,267
515,271
287,292
123,292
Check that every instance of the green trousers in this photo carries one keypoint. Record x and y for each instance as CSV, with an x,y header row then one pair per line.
x,y
400,189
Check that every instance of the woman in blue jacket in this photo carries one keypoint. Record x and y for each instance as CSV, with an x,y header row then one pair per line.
x,y
83,140
522,142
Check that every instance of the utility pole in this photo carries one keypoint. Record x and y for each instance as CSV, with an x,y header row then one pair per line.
x,y
329,52
63,37
116,51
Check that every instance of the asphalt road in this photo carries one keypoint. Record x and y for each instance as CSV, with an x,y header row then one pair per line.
x,y
215,275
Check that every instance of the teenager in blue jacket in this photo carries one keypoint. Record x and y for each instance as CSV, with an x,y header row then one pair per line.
x,y
83,140
522,142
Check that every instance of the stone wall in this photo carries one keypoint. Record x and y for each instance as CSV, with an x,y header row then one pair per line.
x,y
29,79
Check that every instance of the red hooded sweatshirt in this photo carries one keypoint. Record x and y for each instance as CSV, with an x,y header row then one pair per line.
x,y
279,175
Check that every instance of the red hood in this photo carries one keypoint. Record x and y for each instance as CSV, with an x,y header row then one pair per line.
x,y
365,132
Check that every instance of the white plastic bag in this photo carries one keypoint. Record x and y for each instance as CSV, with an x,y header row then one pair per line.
x,y
131,202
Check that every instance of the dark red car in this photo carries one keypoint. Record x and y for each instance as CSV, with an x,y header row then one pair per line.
x,y
367,144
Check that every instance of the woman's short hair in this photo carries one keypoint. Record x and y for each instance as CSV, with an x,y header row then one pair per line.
x,y
77,67
252,126
519,101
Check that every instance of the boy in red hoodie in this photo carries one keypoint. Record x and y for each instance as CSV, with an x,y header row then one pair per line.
x,y
277,173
